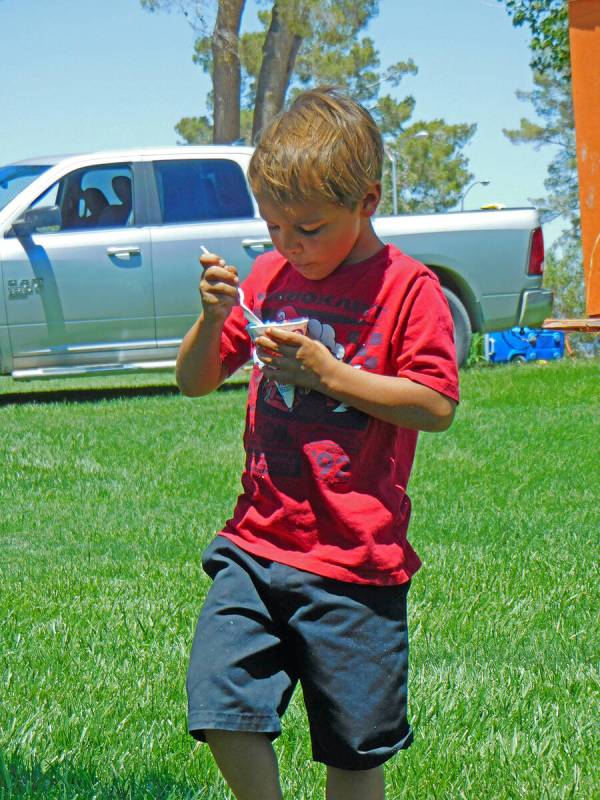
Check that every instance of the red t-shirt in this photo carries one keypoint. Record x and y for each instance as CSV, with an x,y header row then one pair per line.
x,y
324,485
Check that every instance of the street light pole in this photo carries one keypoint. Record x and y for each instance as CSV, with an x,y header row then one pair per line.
x,y
392,158
468,189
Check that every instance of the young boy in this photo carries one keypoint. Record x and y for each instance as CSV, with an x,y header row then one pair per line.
x,y
311,573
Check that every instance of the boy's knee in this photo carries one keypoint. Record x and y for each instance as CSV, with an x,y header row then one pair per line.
x,y
236,739
344,784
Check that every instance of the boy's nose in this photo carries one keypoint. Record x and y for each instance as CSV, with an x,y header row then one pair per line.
x,y
290,242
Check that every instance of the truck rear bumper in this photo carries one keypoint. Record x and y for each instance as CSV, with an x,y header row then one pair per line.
x,y
536,306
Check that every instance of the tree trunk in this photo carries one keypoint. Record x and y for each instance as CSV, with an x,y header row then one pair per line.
x,y
279,56
226,71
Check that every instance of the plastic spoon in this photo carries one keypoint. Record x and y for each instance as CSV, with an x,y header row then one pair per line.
x,y
248,313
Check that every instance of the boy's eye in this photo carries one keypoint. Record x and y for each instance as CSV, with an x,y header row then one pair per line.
x,y
303,231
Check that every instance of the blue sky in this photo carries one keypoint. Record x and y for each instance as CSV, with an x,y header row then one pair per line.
x,y
96,74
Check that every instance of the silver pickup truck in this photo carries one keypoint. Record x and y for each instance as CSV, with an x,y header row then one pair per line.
x,y
99,257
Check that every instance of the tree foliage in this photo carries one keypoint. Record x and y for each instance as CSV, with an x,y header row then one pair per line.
x,y
432,169
548,21
552,101
563,273
194,130
304,43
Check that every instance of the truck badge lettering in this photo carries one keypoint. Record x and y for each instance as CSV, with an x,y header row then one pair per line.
x,y
24,288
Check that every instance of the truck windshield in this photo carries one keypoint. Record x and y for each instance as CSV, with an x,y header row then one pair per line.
x,y
15,177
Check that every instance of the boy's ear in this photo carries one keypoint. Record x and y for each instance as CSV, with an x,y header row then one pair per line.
x,y
371,200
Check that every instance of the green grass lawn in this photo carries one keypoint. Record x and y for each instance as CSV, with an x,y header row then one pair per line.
x,y
108,493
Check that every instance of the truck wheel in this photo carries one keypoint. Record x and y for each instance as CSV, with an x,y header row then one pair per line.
x,y
518,360
462,326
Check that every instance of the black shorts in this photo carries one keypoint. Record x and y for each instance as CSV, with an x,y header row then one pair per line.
x,y
265,626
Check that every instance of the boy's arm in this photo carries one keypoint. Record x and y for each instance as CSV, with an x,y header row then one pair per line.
x,y
199,369
397,400
308,363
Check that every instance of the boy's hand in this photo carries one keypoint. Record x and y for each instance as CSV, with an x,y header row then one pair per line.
x,y
294,358
218,287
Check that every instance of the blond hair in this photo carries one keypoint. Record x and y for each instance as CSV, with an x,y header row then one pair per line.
x,y
325,148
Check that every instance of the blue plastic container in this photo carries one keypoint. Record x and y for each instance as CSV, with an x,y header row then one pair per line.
x,y
524,344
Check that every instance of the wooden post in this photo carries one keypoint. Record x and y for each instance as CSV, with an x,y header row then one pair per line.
x,y
584,34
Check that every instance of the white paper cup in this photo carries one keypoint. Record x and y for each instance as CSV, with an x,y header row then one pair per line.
x,y
299,325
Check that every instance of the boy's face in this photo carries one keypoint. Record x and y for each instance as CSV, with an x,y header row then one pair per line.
x,y
316,238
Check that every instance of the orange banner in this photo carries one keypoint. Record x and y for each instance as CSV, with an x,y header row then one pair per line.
x,y
584,32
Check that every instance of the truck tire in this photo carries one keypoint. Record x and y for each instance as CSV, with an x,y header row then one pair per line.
x,y
462,326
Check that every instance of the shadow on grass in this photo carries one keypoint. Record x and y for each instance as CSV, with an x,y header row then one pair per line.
x,y
45,397
25,781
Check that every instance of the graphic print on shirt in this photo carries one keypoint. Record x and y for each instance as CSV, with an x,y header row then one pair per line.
x,y
314,430
320,332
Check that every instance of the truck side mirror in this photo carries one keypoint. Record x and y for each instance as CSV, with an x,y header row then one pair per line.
x,y
20,228
46,219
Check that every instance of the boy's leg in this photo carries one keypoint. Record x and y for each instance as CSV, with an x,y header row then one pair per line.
x,y
248,763
352,654
240,678
368,784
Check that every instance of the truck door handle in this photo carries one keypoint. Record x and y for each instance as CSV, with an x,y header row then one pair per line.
x,y
257,244
124,251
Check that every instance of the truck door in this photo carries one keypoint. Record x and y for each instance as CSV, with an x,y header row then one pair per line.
x,y
78,272
200,201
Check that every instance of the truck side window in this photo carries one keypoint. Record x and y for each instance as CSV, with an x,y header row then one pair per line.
x,y
100,197
47,204
95,197
200,190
